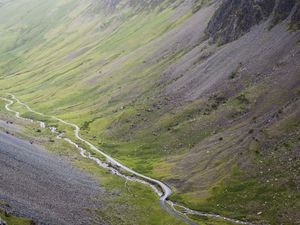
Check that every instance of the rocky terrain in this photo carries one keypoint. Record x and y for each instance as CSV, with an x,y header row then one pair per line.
x,y
235,18
38,185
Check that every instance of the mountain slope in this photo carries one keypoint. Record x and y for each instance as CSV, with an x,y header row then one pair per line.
x,y
202,94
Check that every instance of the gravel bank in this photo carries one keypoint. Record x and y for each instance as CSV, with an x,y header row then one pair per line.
x,y
41,186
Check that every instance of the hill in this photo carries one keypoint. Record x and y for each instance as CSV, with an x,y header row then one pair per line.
x,y
202,94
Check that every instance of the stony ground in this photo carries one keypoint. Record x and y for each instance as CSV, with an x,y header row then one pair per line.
x,y
39,185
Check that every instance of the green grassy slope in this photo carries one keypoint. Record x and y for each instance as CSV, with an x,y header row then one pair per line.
x,y
12,220
104,67
123,203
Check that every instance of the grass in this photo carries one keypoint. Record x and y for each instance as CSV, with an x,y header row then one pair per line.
x,y
110,183
114,90
210,221
12,220
138,199
258,193
232,196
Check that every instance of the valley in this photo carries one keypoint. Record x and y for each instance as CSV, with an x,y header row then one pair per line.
x,y
196,99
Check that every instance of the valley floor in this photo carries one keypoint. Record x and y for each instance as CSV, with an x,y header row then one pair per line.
x,y
47,181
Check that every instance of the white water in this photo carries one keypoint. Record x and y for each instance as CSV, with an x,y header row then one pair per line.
x,y
164,194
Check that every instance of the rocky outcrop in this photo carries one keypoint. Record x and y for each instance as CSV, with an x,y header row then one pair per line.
x,y
234,18
295,19
282,11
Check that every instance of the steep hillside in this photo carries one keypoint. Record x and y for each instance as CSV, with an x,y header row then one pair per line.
x,y
203,94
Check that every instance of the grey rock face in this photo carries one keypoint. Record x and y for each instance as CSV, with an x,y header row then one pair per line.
x,y
234,18
295,19
282,11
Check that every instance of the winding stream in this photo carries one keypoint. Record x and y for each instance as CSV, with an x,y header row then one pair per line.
x,y
161,189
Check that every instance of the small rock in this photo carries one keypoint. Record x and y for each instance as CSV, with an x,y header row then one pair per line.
x,y
149,110
2,222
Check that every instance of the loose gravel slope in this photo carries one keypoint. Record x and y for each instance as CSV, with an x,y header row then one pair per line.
x,y
41,186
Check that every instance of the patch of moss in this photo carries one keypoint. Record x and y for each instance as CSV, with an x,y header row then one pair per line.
x,y
13,220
